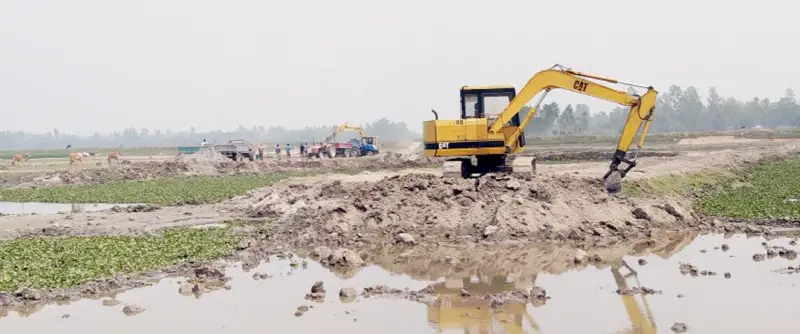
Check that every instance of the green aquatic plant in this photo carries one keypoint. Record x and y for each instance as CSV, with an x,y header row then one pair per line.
x,y
771,191
43,263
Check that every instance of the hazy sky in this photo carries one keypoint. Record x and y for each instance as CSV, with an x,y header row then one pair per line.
x,y
96,65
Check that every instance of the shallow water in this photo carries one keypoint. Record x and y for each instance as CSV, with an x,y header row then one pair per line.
x,y
755,300
27,208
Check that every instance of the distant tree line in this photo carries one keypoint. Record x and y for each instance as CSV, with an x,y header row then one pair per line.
x,y
387,131
677,110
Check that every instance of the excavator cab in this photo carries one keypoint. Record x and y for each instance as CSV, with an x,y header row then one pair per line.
x,y
489,102
370,140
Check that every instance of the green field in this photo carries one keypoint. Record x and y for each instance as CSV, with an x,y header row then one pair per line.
x,y
172,191
65,262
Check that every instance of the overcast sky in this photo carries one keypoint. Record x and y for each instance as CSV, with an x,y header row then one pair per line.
x,y
97,65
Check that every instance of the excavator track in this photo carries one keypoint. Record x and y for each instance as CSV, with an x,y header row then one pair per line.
x,y
453,169
523,166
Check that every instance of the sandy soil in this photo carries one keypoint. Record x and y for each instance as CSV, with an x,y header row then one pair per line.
x,y
46,174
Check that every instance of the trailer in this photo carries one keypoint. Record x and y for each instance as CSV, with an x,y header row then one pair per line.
x,y
333,150
236,150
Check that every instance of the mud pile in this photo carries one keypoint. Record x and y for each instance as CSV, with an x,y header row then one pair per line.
x,y
383,161
416,208
118,172
213,164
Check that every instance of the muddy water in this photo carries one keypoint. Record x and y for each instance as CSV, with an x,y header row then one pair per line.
x,y
27,208
754,300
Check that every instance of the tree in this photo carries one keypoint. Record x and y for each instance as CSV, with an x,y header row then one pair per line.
x,y
582,118
566,122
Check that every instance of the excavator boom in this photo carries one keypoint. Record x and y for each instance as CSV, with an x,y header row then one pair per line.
x,y
505,126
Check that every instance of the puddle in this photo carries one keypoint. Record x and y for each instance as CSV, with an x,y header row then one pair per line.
x,y
584,300
28,208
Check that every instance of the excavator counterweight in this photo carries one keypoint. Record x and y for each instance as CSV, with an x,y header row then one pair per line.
x,y
489,136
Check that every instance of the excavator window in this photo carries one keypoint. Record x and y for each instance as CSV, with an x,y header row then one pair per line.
x,y
487,102
471,106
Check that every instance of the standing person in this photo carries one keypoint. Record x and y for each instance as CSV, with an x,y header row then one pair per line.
x,y
261,152
278,151
288,150
302,149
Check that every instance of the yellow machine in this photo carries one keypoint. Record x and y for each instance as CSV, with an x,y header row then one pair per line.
x,y
489,136
371,140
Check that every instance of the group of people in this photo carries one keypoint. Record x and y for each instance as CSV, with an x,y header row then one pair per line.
x,y
287,149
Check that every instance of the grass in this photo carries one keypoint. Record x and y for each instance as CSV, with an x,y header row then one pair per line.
x,y
43,263
680,185
773,192
171,191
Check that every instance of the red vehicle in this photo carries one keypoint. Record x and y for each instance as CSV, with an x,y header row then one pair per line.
x,y
331,150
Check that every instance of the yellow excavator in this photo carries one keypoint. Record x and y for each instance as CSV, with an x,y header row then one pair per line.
x,y
489,136
368,140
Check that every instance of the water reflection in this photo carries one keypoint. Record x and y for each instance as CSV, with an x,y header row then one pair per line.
x,y
584,297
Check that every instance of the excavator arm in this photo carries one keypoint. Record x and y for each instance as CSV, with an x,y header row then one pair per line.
x,y
639,116
343,127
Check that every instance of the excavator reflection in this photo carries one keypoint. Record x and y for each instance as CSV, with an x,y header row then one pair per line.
x,y
475,315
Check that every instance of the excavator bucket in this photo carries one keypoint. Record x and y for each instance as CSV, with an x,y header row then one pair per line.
x,y
613,182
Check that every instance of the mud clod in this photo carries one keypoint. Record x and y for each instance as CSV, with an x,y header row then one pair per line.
x,y
642,262
341,258
110,302
489,230
317,292
406,238
318,286
132,309
679,327
639,213
686,268
638,291
347,295
302,309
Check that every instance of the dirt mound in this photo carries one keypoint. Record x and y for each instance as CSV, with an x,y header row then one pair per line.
x,y
209,163
119,172
415,208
